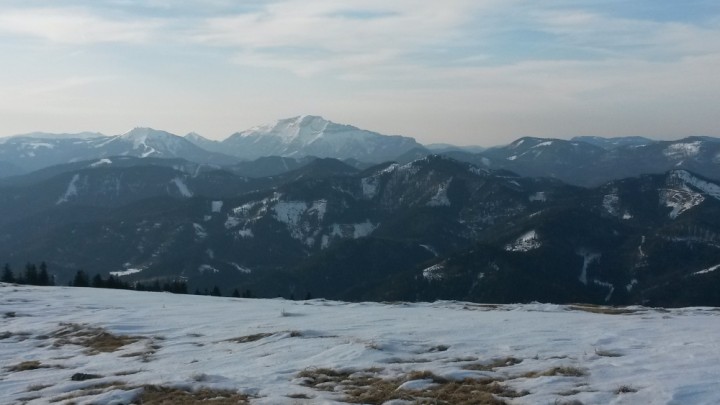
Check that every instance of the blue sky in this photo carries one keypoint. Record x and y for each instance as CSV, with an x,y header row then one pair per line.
x,y
461,71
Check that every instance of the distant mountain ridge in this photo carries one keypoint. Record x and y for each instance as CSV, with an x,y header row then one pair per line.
x,y
433,228
315,136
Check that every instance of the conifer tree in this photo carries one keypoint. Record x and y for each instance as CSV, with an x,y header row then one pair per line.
x,y
31,274
236,293
7,275
216,292
43,276
97,281
81,279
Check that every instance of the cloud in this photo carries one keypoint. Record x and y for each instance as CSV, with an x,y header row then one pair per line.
x,y
75,26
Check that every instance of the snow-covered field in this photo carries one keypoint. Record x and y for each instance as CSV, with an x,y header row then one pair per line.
x,y
81,345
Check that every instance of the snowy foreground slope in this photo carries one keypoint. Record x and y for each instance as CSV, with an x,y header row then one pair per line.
x,y
95,346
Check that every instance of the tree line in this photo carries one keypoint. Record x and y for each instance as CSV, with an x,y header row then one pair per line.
x,y
32,275
39,275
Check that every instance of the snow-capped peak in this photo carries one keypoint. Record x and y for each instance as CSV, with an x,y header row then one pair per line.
x,y
291,128
152,142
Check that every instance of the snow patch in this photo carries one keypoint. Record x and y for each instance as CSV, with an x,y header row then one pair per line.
x,y
588,258
71,190
631,285
245,233
369,187
182,187
126,272
539,196
434,273
711,189
526,242
231,222
200,232
241,268
683,150
101,162
430,249
216,206
363,229
611,203
609,286
206,268
680,200
440,198
706,271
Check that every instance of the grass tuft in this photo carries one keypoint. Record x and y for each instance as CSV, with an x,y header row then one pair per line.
x,y
367,387
157,395
493,364
249,338
625,389
566,371
96,340
26,366
599,309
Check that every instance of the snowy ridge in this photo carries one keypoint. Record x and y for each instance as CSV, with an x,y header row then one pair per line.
x,y
626,359
711,189
681,197
309,135
683,150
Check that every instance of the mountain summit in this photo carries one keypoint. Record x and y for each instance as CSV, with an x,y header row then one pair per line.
x,y
309,135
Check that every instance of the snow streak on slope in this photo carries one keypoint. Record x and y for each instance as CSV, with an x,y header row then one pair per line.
x,y
182,187
259,347
71,190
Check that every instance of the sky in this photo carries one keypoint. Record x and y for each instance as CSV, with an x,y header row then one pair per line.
x,y
480,72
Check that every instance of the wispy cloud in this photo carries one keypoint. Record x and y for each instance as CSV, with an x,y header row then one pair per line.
x,y
509,67
75,26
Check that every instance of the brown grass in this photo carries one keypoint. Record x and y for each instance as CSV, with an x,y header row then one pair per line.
x,y
367,387
95,389
38,387
26,366
96,340
250,338
493,364
606,310
155,395
566,371
607,353
624,389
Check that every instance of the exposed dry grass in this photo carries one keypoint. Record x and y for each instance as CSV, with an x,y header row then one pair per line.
x,y
607,353
250,338
96,340
599,309
147,353
493,364
155,395
625,389
26,366
38,387
367,387
95,389
566,371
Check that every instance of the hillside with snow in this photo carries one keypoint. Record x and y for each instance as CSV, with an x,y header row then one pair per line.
x,y
309,135
93,346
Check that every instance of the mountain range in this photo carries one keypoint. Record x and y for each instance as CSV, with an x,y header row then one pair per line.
x,y
608,221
